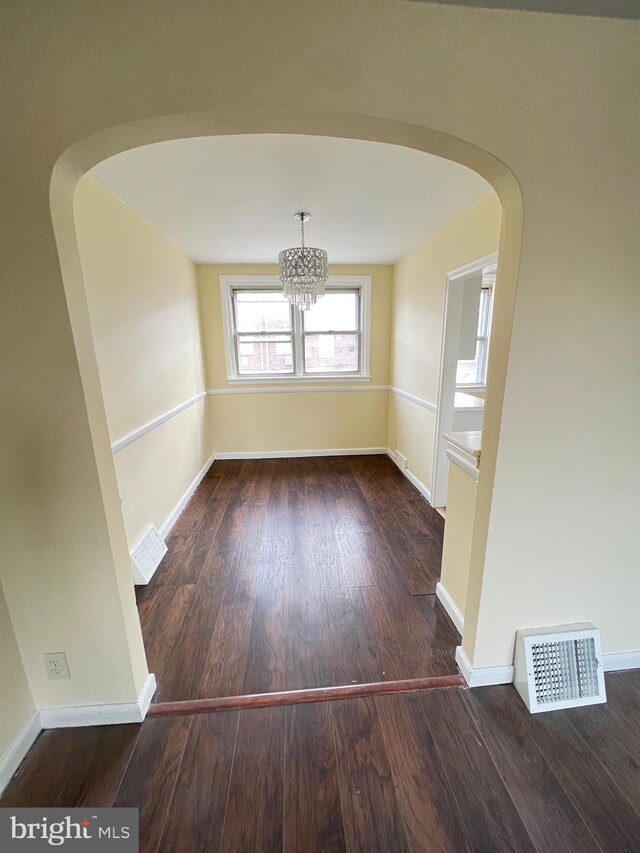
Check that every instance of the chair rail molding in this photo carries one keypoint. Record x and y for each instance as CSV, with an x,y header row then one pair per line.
x,y
319,386
413,398
156,422
292,387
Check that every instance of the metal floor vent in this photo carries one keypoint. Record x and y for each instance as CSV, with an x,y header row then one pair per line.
x,y
559,667
146,555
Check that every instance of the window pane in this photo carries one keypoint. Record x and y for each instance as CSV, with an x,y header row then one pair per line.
x,y
483,317
335,312
262,311
331,353
263,354
471,371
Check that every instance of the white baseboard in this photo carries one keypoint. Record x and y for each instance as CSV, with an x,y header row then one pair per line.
x,y
100,715
482,676
175,512
292,454
146,694
18,748
420,486
79,715
451,607
613,661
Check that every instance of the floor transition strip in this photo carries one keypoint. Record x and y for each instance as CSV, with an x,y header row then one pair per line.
x,y
295,697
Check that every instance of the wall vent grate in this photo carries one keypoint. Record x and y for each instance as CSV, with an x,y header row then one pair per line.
x,y
559,667
146,555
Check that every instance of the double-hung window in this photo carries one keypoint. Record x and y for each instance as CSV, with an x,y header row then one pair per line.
x,y
472,373
263,333
268,339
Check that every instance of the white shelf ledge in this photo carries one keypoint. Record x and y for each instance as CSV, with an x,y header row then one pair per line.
x,y
464,451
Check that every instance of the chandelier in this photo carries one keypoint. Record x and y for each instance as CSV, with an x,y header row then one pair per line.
x,y
303,271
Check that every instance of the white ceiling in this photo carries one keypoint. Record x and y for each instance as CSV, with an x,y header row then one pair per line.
x,y
231,199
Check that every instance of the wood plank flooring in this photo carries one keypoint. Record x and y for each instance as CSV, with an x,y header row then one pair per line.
x,y
285,574
443,770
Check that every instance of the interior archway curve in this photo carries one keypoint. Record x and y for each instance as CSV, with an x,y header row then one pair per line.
x,y
86,153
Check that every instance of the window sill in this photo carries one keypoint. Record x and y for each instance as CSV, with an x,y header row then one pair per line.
x,y
316,379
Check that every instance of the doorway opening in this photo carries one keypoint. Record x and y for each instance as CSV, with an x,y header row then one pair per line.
x,y
74,283
464,360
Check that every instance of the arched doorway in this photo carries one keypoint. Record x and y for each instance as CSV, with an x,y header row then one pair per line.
x,y
84,155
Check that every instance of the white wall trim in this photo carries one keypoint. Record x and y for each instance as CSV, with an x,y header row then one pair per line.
x,y
320,386
613,661
412,397
487,675
451,607
486,264
418,484
18,748
70,717
146,694
296,389
482,676
156,422
292,454
165,529
100,715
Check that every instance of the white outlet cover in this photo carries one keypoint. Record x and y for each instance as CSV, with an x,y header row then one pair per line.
x,y
57,666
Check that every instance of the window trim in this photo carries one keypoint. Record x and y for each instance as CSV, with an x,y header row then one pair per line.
x,y
229,283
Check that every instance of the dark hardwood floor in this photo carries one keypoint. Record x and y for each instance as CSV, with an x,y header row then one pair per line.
x,y
290,574
442,770
285,574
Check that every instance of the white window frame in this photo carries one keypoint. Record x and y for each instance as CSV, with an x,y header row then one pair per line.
x,y
488,283
230,283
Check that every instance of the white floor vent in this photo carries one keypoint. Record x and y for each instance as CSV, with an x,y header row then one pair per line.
x,y
559,667
146,555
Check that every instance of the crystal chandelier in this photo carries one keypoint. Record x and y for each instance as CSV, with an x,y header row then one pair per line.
x,y
303,271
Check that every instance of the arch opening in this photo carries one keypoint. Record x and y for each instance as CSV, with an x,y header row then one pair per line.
x,y
83,156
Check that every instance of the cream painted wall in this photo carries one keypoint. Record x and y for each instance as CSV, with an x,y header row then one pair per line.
x,y
156,470
312,421
419,290
537,92
16,701
143,304
458,535
259,421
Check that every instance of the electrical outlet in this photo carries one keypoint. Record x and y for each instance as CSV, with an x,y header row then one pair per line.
x,y
57,666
